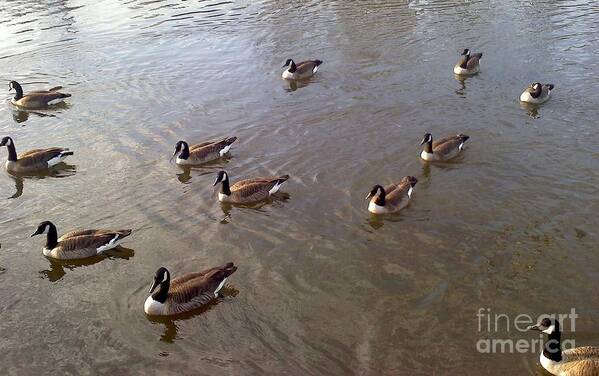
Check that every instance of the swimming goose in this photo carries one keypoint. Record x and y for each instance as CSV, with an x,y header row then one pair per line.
x,y
36,99
443,149
579,361
186,292
391,198
468,63
249,190
32,160
302,70
78,244
536,93
202,153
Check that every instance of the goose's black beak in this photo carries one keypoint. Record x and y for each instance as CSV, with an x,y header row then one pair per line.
x,y
423,141
534,327
369,196
37,232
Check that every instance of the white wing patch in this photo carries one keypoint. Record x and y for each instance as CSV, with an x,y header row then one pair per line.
x,y
225,150
111,244
461,146
220,286
315,69
274,189
410,192
55,101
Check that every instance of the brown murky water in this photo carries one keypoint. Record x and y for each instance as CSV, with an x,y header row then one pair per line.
x,y
322,287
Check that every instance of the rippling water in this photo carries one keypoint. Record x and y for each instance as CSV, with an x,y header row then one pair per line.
x,y
322,287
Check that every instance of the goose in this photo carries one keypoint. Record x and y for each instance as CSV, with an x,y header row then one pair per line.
x,y
536,93
302,70
468,63
78,244
36,99
32,160
391,198
443,149
186,292
249,190
202,153
579,361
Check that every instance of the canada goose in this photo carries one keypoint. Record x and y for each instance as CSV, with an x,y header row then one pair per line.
x,y
468,63
537,93
202,153
579,361
32,160
391,198
78,244
443,149
301,70
249,190
36,99
186,292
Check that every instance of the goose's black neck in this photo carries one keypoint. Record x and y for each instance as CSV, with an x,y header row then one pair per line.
x,y
225,188
52,237
465,59
552,348
162,292
381,196
184,150
428,147
18,89
536,93
12,151
292,67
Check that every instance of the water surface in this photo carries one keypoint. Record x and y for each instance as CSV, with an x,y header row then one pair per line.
x,y
322,286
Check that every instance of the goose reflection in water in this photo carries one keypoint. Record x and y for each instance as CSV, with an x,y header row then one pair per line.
x,y
57,267
171,329
61,170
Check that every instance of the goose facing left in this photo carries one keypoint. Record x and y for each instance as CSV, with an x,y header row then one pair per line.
x,y
537,93
202,153
469,63
32,160
442,149
186,292
37,99
393,197
579,361
249,190
78,244
305,69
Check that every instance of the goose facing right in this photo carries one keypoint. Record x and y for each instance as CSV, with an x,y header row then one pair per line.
x,y
202,153
442,149
32,160
302,70
537,93
579,361
37,99
249,190
78,244
186,292
468,63
392,198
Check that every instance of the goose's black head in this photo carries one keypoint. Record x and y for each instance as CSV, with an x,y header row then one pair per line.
x,y
162,279
183,148
43,228
288,62
466,52
547,325
291,64
221,176
426,139
18,89
410,179
376,191
6,141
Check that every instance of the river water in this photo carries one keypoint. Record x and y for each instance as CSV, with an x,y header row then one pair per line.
x,y
323,287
